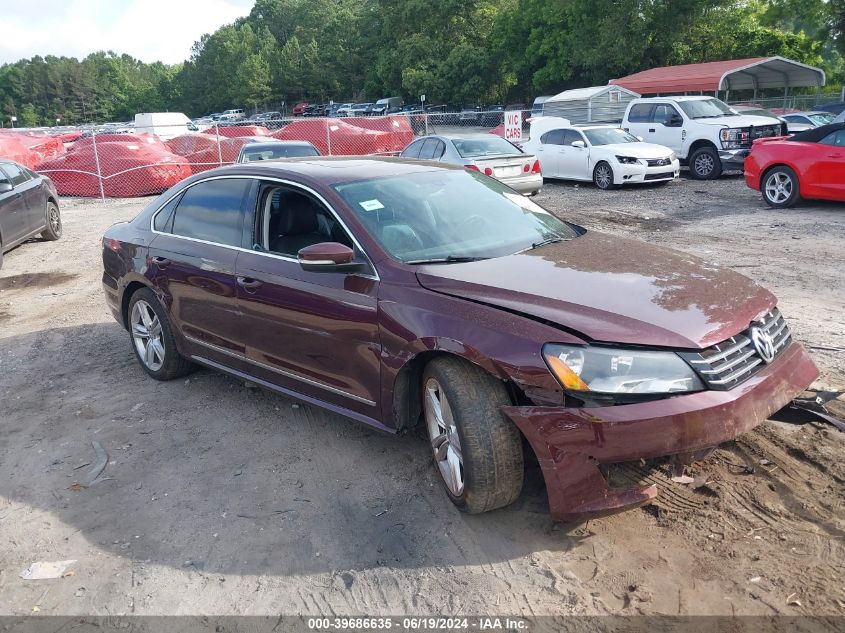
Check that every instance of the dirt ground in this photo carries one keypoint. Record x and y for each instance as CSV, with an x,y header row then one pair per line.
x,y
222,499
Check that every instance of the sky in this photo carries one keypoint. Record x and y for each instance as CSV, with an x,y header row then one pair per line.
x,y
150,30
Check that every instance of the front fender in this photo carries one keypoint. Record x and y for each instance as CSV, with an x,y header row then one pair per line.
x,y
506,345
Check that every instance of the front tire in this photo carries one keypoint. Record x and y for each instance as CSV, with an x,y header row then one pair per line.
x,y
603,176
152,339
705,164
54,223
781,188
477,450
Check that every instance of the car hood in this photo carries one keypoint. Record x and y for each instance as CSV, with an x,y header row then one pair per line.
x,y
611,289
742,120
637,150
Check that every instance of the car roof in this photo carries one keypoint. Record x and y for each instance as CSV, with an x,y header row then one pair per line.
x,y
268,144
334,170
677,98
809,112
453,137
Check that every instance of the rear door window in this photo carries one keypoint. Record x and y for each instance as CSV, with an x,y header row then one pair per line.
x,y
413,150
429,148
212,211
164,218
640,113
16,175
554,137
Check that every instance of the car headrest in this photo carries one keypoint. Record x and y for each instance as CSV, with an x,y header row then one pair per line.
x,y
297,215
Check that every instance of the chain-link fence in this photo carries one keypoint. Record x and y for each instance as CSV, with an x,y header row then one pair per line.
x,y
124,161
792,103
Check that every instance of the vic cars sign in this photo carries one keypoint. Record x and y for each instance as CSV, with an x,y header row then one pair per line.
x,y
513,125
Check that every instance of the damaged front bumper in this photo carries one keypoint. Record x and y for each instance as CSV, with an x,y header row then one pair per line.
x,y
571,443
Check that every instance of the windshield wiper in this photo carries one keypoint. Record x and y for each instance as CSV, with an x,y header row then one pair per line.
x,y
449,259
551,240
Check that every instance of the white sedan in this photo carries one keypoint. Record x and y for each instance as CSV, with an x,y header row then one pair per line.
x,y
605,154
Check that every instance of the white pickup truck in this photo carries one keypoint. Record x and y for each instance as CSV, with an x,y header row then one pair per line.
x,y
705,133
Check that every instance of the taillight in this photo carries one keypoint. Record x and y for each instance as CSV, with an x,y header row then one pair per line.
x,y
488,171
111,244
535,169
526,167
473,168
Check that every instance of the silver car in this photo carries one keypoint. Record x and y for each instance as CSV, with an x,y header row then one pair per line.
x,y
274,150
486,153
812,118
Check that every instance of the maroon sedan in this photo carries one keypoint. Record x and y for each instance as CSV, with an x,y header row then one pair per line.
x,y
400,293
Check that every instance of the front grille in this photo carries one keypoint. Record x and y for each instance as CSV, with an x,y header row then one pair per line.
x,y
732,362
667,174
658,162
749,134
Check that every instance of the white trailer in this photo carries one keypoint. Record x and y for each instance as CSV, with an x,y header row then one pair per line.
x,y
165,125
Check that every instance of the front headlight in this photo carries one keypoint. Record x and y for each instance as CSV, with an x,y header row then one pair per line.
x,y
733,138
628,160
608,370
673,157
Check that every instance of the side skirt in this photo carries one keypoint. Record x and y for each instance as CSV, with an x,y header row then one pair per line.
x,y
358,417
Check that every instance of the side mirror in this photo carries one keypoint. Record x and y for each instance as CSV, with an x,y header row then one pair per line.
x,y
5,187
579,144
328,257
675,121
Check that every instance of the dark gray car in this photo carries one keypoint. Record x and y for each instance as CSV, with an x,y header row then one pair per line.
x,y
29,205
274,150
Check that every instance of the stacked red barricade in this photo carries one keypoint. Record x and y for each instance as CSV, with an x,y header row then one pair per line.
x,y
233,131
135,165
40,144
13,148
356,136
202,153
142,164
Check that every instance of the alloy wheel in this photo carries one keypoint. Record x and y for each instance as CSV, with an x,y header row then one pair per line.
x,y
704,165
443,434
778,187
55,219
147,335
604,177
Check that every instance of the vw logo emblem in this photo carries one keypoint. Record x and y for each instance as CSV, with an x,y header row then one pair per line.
x,y
763,343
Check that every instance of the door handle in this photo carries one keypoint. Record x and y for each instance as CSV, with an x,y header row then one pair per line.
x,y
161,262
651,129
249,284
834,155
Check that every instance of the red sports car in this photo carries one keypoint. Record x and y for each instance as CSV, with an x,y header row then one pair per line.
x,y
810,164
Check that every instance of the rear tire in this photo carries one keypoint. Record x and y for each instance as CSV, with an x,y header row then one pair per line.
x,y
780,187
478,451
152,339
603,176
705,164
1,252
54,223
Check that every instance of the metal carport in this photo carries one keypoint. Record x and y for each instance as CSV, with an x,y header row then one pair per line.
x,y
754,74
